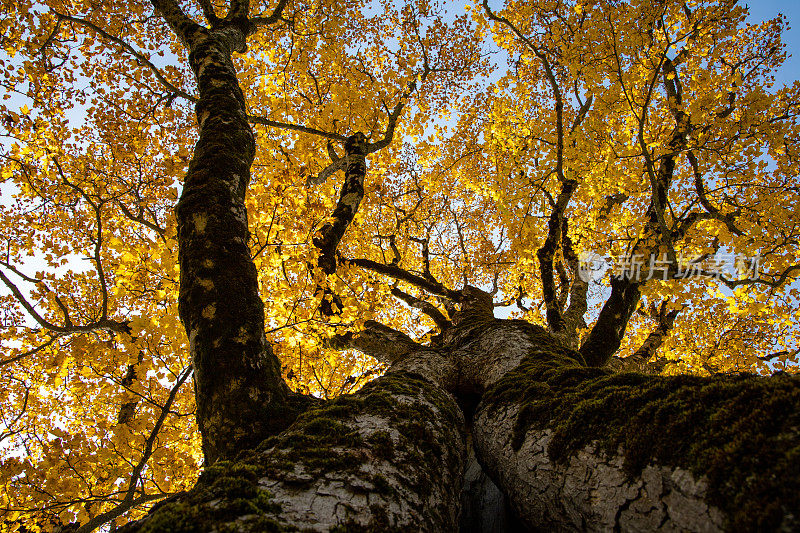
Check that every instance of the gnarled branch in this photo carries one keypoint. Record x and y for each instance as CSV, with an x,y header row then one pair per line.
x,y
394,271
376,340
426,307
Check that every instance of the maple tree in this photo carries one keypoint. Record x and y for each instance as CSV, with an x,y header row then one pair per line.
x,y
362,186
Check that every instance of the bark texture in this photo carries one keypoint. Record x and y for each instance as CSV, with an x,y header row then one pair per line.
x,y
592,492
579,448
388,458
328,237
241,397
570,447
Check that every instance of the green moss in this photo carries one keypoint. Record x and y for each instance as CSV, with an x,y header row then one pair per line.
x,y
319,440
382,486
330,429
382,445
323,440
422,436
321,460
260,524
261,503
233,487
379,402
739,431
174,517
377,397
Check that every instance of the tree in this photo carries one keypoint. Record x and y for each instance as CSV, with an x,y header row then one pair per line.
x,y
646,132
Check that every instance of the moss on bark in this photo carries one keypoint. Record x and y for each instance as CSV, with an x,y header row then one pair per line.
x,y
393,440
741,432
226,492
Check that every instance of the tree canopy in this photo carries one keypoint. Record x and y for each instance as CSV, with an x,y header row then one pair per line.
x,y
507,147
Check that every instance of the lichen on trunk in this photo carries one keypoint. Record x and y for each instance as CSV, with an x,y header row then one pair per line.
x,y
241,398
388,458
584,448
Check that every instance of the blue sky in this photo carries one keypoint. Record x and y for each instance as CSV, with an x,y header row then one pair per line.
x,y
767,9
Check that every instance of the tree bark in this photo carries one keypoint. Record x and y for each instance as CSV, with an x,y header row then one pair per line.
x,y
237,377
241,397
390,457
571,447
578,448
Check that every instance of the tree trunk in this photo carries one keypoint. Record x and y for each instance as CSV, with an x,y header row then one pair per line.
x,y
572,447
390,457
241,397
578,448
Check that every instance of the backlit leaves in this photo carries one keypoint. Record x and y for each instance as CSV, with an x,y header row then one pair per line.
x,y
98,125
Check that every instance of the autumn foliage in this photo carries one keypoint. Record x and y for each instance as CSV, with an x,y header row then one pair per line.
x,y
506,143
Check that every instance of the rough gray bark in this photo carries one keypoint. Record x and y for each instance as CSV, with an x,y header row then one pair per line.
x,y
571,447
577,448
388,457
591,492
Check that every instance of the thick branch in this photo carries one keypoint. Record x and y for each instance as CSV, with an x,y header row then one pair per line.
x,y
573,316
640,360
183,26
546,253
343,457
426,259
327,238
209,13
376,340
239,10
340,163
426,307
275,16
608,331
579,449
241,396
398,273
